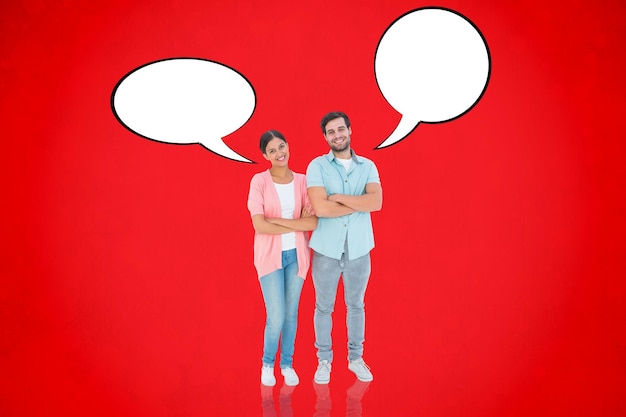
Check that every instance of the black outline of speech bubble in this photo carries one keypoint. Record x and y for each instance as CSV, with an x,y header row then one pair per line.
x,y
477,99
183,144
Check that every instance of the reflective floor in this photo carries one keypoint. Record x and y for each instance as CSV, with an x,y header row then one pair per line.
x,y
280,403
106,366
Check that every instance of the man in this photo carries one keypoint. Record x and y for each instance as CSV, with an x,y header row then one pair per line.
x,y
343,188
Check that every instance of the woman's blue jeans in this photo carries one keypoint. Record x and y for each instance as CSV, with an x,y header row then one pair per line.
x,y
281,293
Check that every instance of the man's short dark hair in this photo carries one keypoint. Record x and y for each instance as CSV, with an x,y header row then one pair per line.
x,y
332,116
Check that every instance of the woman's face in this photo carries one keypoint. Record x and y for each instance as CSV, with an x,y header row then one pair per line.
x,y
277,152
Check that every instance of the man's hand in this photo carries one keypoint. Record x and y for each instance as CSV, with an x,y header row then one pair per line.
x,y
307,211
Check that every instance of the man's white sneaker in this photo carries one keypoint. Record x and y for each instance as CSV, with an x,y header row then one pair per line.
x,y
361,370
267,376
291,378
322,375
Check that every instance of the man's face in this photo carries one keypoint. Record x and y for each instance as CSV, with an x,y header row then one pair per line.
x,y
338,135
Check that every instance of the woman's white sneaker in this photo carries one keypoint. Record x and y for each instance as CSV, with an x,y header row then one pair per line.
x,y
291,378
267,376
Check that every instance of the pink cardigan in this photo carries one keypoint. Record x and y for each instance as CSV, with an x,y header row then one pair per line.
x,y
263,199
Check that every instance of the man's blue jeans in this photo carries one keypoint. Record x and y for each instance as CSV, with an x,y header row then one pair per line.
x,y
281,292
355,274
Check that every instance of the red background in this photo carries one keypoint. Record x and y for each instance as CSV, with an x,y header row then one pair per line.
x,y
128,287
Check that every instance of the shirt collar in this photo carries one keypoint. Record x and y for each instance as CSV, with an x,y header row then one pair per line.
x,y
330,156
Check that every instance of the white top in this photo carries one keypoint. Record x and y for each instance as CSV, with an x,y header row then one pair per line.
x,y
347,163
287,204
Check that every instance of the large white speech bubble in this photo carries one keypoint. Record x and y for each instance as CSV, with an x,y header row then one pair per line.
x,y
185,101
432,65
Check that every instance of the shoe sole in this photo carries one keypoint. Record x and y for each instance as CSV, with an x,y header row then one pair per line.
x,y
321,381
360,378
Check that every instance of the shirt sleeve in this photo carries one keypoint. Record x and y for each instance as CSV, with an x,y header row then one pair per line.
x,y
255,196
373,174
314,175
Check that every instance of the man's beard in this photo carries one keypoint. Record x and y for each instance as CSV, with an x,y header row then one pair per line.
x,y
345,145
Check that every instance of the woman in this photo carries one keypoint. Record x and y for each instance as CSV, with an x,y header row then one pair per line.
x,y
281,216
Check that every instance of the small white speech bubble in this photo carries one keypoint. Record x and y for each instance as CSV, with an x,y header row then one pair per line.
x,y
432,65
184,101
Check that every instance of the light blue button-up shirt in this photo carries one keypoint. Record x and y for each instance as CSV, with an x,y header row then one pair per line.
x,y
332,232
